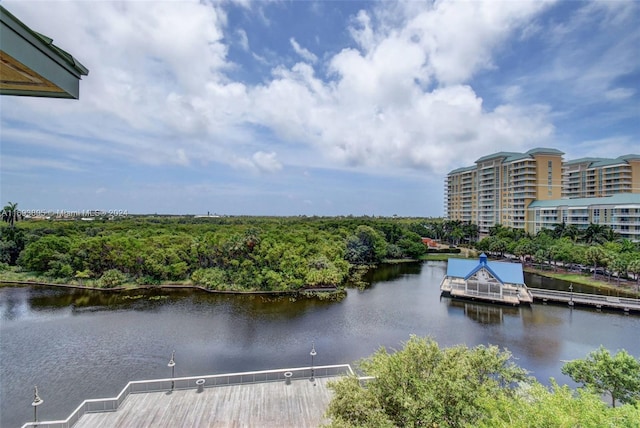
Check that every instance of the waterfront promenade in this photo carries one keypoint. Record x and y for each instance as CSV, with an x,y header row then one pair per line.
x,y
271,398
594,300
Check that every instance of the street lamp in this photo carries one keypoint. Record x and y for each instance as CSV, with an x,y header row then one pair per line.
x,y
36,402
571,295
313,354
172,364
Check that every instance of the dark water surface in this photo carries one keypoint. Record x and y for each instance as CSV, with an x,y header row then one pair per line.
x,y
76,344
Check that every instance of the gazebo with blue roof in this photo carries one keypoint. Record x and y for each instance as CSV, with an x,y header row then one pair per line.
x,y
498,282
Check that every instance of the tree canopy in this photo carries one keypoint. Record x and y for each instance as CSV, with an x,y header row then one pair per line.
x,y
227,253
617,375
425,385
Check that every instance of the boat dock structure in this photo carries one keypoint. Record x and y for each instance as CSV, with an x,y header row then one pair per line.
x,y
495,282
295,397
597,301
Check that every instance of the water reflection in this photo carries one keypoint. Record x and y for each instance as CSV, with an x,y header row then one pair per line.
x,y
98,341
483,313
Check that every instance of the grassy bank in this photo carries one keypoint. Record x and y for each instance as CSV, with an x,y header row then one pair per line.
x,y
584,279
442,257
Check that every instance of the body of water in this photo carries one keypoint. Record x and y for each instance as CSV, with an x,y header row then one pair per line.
x,y
77,344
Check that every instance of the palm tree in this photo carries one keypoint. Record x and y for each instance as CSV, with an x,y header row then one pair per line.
x,y
634,268
599,234
595,255
10,213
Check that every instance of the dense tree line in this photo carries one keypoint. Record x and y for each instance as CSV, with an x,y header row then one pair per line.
x,y
229,253
597,248
423,385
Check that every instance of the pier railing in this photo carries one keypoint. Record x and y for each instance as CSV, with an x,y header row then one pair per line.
x,y
596,300
193,382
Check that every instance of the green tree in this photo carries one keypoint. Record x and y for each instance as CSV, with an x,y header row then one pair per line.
x,y
366,246
634,268
595,255
558,406
41,255
618,375
112,278
424,385
11,214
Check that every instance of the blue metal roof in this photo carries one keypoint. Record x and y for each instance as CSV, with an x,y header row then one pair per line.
x,y
505,272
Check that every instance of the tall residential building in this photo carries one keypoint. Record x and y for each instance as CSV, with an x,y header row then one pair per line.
x,y
500,186
536,190
596,177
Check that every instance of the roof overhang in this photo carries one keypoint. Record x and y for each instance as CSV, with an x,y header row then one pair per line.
x,y
31,65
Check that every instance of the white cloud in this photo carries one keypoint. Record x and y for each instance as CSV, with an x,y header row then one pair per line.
x,y
620,93
303,52
266,162
161,89
243,39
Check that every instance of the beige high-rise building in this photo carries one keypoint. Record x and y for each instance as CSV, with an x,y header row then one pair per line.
x,y
597,177
498,189
536,190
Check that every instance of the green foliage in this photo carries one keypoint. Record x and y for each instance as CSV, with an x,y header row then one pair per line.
x,y
11,214
112,278
424,385
249,253
366,246
213,278
618,376
557,407
41,255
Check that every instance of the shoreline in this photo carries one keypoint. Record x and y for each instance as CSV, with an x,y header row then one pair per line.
x,y
302,292
576,278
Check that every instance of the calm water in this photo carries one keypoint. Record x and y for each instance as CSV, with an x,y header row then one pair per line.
x,y
76,345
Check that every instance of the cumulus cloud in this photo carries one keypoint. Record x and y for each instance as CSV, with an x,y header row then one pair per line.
x,y
161,88
400,99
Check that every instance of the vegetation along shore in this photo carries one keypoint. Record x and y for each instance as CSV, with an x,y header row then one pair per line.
x,y
286,254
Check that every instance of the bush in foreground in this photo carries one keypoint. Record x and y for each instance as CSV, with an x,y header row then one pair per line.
x,y
425,385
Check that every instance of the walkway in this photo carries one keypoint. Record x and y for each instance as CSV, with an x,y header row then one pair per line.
x,y
598,301
271,404
267,398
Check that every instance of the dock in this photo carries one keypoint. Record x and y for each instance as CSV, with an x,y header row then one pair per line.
x,y
597,301
296,397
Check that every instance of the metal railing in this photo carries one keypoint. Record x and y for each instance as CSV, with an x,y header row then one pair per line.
x,y
597,300
185,383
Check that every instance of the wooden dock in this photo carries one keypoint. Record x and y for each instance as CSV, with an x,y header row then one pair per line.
x,y
271,404
295,397
594,300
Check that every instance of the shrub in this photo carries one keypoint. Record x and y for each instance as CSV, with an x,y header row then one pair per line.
x,y
112,278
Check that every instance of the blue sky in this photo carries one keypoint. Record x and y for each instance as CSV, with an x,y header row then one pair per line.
x,y
313,107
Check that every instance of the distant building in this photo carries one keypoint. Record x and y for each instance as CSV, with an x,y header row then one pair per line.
x,y
597,177
498,189
621,212
497,282
536,190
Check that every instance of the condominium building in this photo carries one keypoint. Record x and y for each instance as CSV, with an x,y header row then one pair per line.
x,y
621,212
536,190
596,177
500,186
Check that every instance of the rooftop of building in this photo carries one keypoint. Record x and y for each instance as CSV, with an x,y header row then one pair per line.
x,y
514,156
504,272
618,199
601,162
